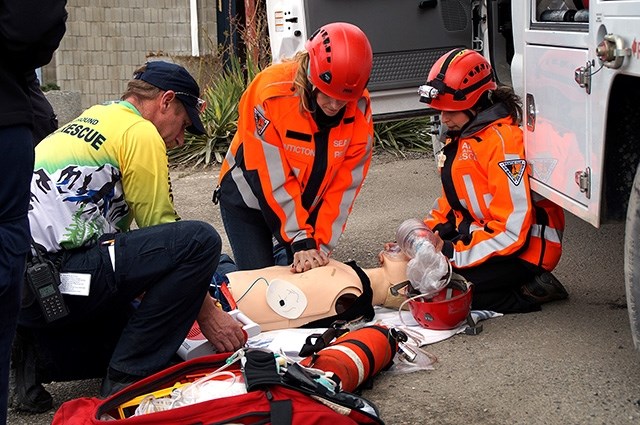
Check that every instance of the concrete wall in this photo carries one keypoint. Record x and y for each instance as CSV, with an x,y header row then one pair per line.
x,y
107,39
67,105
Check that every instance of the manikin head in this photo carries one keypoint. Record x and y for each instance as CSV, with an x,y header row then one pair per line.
x,y
392,271
394,264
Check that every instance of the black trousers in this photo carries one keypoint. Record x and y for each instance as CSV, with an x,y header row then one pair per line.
x,y
169,265
16,163
497,282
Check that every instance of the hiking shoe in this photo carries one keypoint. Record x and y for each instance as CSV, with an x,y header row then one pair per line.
x,y
28,393
544,288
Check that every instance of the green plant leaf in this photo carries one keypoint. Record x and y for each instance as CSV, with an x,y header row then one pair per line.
x,y
220,118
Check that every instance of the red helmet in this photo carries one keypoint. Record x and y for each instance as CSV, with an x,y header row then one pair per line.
x,y
340,60
445,310
457,80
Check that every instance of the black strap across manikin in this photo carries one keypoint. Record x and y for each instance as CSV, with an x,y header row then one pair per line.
x,y
362,307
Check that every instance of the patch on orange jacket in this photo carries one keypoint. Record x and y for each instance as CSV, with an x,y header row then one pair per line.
x,y
261,121
514,168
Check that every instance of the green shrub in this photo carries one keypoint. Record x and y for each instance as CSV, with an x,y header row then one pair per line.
x,y
407,135
220,118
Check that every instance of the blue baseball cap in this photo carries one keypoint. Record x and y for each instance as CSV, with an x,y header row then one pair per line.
x,y
170,76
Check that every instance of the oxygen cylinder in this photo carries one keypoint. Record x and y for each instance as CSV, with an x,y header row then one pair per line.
x,y
356,356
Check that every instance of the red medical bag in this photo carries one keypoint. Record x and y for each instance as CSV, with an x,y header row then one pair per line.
x,y
266,402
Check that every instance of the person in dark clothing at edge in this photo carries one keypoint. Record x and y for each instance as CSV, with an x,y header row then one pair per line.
x,y
45,120
495,232
30,32
301,152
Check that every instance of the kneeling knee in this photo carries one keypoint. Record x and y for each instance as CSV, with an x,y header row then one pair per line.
x,y
202,233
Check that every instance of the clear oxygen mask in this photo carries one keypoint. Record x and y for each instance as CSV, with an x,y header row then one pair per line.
x,y
427,270
411,234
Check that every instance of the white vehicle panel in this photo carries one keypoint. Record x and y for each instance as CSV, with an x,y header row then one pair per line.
x,y
556,144
287,28
578,118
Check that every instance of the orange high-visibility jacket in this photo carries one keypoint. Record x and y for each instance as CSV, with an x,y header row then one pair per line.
x,y
486,208
304,180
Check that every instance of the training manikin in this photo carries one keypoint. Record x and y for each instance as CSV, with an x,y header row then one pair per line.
x,y
276,298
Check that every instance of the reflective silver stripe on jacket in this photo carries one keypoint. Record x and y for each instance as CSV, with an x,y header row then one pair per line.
x,y
501,240
348,198
243,186
550,234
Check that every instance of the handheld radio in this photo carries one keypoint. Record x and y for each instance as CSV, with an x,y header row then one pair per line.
x,y
44,280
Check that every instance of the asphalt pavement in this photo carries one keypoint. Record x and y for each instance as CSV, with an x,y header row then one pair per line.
x,y
571,363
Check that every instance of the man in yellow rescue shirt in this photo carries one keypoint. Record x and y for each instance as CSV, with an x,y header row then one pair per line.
x,y
91,179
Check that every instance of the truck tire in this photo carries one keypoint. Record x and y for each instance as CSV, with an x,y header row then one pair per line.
x,y
632,259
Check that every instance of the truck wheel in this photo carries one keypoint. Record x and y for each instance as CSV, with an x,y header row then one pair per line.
x,y
632,259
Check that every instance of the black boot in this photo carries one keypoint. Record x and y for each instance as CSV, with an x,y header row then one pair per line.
x,y
115,381
544,288
28,393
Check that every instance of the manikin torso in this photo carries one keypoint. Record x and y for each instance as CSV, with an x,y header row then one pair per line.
x,y
276,298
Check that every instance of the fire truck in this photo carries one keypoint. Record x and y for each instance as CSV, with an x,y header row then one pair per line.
x,y
574,63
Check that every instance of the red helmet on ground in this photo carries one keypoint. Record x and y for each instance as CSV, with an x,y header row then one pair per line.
x,y
340,60
457,80
445,310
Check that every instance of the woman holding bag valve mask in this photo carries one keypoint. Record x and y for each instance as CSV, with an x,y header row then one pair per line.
x,y
495,232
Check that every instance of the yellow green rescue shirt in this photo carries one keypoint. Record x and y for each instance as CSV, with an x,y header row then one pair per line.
x,y
97,174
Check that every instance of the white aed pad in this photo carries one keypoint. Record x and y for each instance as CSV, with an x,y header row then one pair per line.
x,y
286,299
